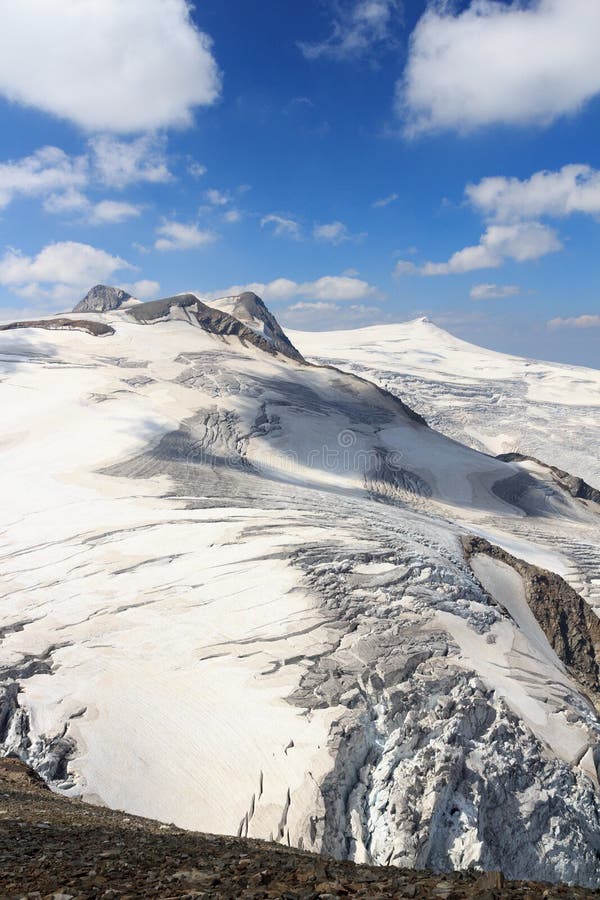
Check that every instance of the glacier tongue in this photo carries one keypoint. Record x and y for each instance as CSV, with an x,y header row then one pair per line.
x,y
235,597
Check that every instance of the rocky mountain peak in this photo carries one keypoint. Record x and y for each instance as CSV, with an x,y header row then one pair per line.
x,y
102,298
230,317
251,310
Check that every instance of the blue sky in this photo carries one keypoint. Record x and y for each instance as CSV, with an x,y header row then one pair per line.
x,y
356,161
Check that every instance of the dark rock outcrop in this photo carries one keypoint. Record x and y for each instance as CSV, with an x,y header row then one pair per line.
x,y
97,329
102,298
248,308
569,623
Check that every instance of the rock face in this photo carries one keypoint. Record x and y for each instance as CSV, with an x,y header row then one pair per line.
x,y
102,298
250,309
570,625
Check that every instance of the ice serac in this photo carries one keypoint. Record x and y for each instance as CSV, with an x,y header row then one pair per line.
x,y
235,597
103,298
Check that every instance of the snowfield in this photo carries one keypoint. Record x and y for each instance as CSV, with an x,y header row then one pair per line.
x,y
490,401
235,597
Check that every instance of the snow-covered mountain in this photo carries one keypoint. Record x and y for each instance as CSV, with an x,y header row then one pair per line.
x,y
249,594
490,401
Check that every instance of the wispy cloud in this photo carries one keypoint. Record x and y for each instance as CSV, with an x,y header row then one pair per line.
x,y
357,29
217,198
335,233
120,163
322,315
494,291
583,321
384,201
196,169
282,226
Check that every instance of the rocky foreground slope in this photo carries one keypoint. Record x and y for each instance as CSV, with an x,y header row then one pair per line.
x,y
51,847
236,596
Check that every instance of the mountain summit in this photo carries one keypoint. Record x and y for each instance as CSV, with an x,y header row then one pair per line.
x,y
250,309
103,298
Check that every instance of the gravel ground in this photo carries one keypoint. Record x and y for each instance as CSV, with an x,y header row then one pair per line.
x,y
51,847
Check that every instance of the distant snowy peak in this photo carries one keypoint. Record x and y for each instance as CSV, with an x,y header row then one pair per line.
x,y
250,309
103,298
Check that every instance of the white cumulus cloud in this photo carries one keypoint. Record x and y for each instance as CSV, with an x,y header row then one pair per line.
x,y
518,63
522,242
181,236
67,261
321,315
105,212
112,212
48,169
572,189
60,272
145,289
327,289
59,179
120,66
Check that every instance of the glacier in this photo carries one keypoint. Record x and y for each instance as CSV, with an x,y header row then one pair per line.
x,y
237,596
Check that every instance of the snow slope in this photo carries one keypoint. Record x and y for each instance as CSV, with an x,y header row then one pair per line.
x,y
488,400
235,598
